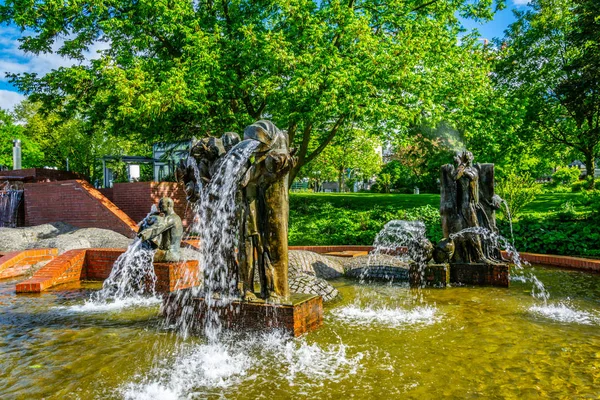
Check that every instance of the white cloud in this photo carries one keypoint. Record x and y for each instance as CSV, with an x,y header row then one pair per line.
x,y
521,2
13,60
9,99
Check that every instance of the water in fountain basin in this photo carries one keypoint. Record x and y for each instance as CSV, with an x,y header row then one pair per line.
x,y
561,311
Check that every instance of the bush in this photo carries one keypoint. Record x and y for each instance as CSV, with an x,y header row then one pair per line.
x,y
325,224
566,176
549,234
579,186
518,191
591,200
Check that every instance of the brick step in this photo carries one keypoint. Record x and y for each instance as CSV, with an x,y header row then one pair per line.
x,y
96,265
17,263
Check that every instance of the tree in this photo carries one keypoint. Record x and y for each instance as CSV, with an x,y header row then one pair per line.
x,y
61,139
422,154
550,63
353,153
31,153
175,69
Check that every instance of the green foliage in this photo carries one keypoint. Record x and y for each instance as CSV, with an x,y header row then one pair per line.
x,y
579,186
394,175
352,156
566,176
325,224
31,151
555,224
548,68
58,140
336,219
551,234
518,191
174,69
591,200
416,159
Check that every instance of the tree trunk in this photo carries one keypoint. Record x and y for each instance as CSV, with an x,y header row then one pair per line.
x,y
590,167
342,181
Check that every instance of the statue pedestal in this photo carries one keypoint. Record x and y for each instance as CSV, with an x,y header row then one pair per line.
x,y
484,274
436,275
172,276
302,314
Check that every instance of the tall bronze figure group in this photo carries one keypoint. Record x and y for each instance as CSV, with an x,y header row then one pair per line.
x,y
467,203
261,212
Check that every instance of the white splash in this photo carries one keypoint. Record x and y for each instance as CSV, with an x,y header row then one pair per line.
x,y
392,317
233,362
207,366
562,312
94,306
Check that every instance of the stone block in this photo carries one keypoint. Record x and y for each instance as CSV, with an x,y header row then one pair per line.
x,y
434,275
482,274
302,314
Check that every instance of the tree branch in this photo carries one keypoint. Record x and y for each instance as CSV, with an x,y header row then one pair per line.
x,y
327,140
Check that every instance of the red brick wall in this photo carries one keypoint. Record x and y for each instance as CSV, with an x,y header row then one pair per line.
x,y
68,267
136,198
76,203
108,193
33,175
100,262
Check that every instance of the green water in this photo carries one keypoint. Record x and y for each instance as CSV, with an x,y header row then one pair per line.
x,y
379,342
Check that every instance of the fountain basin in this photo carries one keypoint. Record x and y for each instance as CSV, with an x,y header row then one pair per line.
x,y
96,265
379,341
301,314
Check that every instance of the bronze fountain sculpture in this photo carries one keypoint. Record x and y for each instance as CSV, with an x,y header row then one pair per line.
x,y
163,230
468,207
262,208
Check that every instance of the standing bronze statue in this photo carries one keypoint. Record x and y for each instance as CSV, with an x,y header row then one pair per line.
x,y
468,201
267,211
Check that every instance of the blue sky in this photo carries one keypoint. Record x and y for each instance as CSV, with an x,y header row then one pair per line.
x,y
15,61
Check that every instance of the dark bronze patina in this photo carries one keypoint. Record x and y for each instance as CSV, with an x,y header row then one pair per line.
x,y
467,201
163,231
262,206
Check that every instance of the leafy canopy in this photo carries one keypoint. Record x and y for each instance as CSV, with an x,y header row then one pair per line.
x,y
550,64
177,68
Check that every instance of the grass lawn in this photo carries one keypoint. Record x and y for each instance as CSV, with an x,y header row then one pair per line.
x,y
366,201
552,201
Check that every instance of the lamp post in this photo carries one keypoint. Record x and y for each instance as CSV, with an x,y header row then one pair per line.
x,y
16,154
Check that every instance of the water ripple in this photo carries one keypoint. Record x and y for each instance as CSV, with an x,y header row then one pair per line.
x,y
393,317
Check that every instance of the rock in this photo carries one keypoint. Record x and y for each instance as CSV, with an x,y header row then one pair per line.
x,y
12,239
101,238
59,235
315,264
304,283
84,239
377,267
62,243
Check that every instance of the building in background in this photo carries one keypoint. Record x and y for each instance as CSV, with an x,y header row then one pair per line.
x,y
164,160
